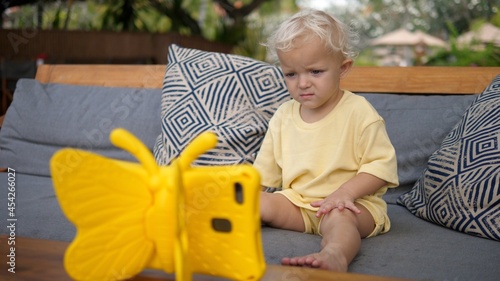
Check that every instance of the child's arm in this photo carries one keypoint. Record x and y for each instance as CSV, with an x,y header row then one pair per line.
x,y
343,198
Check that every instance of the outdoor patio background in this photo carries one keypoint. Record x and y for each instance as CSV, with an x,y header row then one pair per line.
x,y
108,47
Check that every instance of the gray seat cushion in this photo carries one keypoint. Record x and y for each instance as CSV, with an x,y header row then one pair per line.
x,y
44,118
414,248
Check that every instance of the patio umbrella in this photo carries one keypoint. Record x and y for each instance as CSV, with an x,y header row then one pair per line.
x,y
403,37
411,46
429,40
488,33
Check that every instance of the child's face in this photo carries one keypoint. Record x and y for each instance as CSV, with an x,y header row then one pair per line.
x,y
313,74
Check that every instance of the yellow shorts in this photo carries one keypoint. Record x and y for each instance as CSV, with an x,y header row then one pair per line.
x,y
382,223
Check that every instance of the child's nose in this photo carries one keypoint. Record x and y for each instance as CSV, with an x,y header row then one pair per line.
x,y
303,81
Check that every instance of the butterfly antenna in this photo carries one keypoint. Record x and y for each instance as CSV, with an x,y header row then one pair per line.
x,y
127,141
198,146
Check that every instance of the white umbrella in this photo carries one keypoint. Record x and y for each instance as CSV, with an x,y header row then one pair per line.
x,y
403,37
488,33
429,40
406,41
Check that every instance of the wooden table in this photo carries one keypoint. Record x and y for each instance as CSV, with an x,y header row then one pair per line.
x,y
43,260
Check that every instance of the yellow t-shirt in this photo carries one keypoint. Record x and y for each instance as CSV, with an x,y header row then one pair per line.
x,y
311,160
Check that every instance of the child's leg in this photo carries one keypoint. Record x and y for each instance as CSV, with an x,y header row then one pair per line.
x,y
342,232
277,211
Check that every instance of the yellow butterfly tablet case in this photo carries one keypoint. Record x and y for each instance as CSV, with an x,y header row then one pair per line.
x,y
180,219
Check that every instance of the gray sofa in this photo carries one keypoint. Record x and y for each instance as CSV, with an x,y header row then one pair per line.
x,y
46,117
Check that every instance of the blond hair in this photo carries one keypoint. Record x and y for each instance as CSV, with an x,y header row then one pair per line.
x,y
336,36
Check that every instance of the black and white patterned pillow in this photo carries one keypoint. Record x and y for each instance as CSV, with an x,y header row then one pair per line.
x,y
460,188
233,96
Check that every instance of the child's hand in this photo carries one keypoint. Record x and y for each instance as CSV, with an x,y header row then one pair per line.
x,y
339,199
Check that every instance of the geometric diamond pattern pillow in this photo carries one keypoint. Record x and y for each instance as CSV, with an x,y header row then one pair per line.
x,y
460,189
232,96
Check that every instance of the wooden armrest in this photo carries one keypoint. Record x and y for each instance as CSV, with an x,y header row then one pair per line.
x,y
128,76
420,79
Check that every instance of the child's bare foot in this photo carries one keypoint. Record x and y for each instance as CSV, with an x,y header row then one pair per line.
x,y
322,260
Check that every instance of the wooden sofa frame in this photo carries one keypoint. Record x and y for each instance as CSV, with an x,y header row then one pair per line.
x,y
421,80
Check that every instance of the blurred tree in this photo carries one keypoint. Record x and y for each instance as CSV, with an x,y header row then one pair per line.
x,y
376,17
62,16
373,18
462,13
179,15
234,15
261,24
123,15
246,23
466,55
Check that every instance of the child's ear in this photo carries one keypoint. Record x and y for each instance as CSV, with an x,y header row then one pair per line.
x,y
345,67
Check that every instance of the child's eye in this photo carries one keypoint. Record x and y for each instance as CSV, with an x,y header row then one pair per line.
x,y
316,72
290,75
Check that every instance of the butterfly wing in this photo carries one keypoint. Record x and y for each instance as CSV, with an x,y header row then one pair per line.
x,y
107,200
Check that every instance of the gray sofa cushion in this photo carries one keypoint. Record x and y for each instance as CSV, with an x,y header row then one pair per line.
x,y
417,124
420,250
414,249
42,119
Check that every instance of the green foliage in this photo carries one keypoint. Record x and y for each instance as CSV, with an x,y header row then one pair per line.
x,y
365,58
495,20
472,54
488,55
149,19
25,17
259,25
251,46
